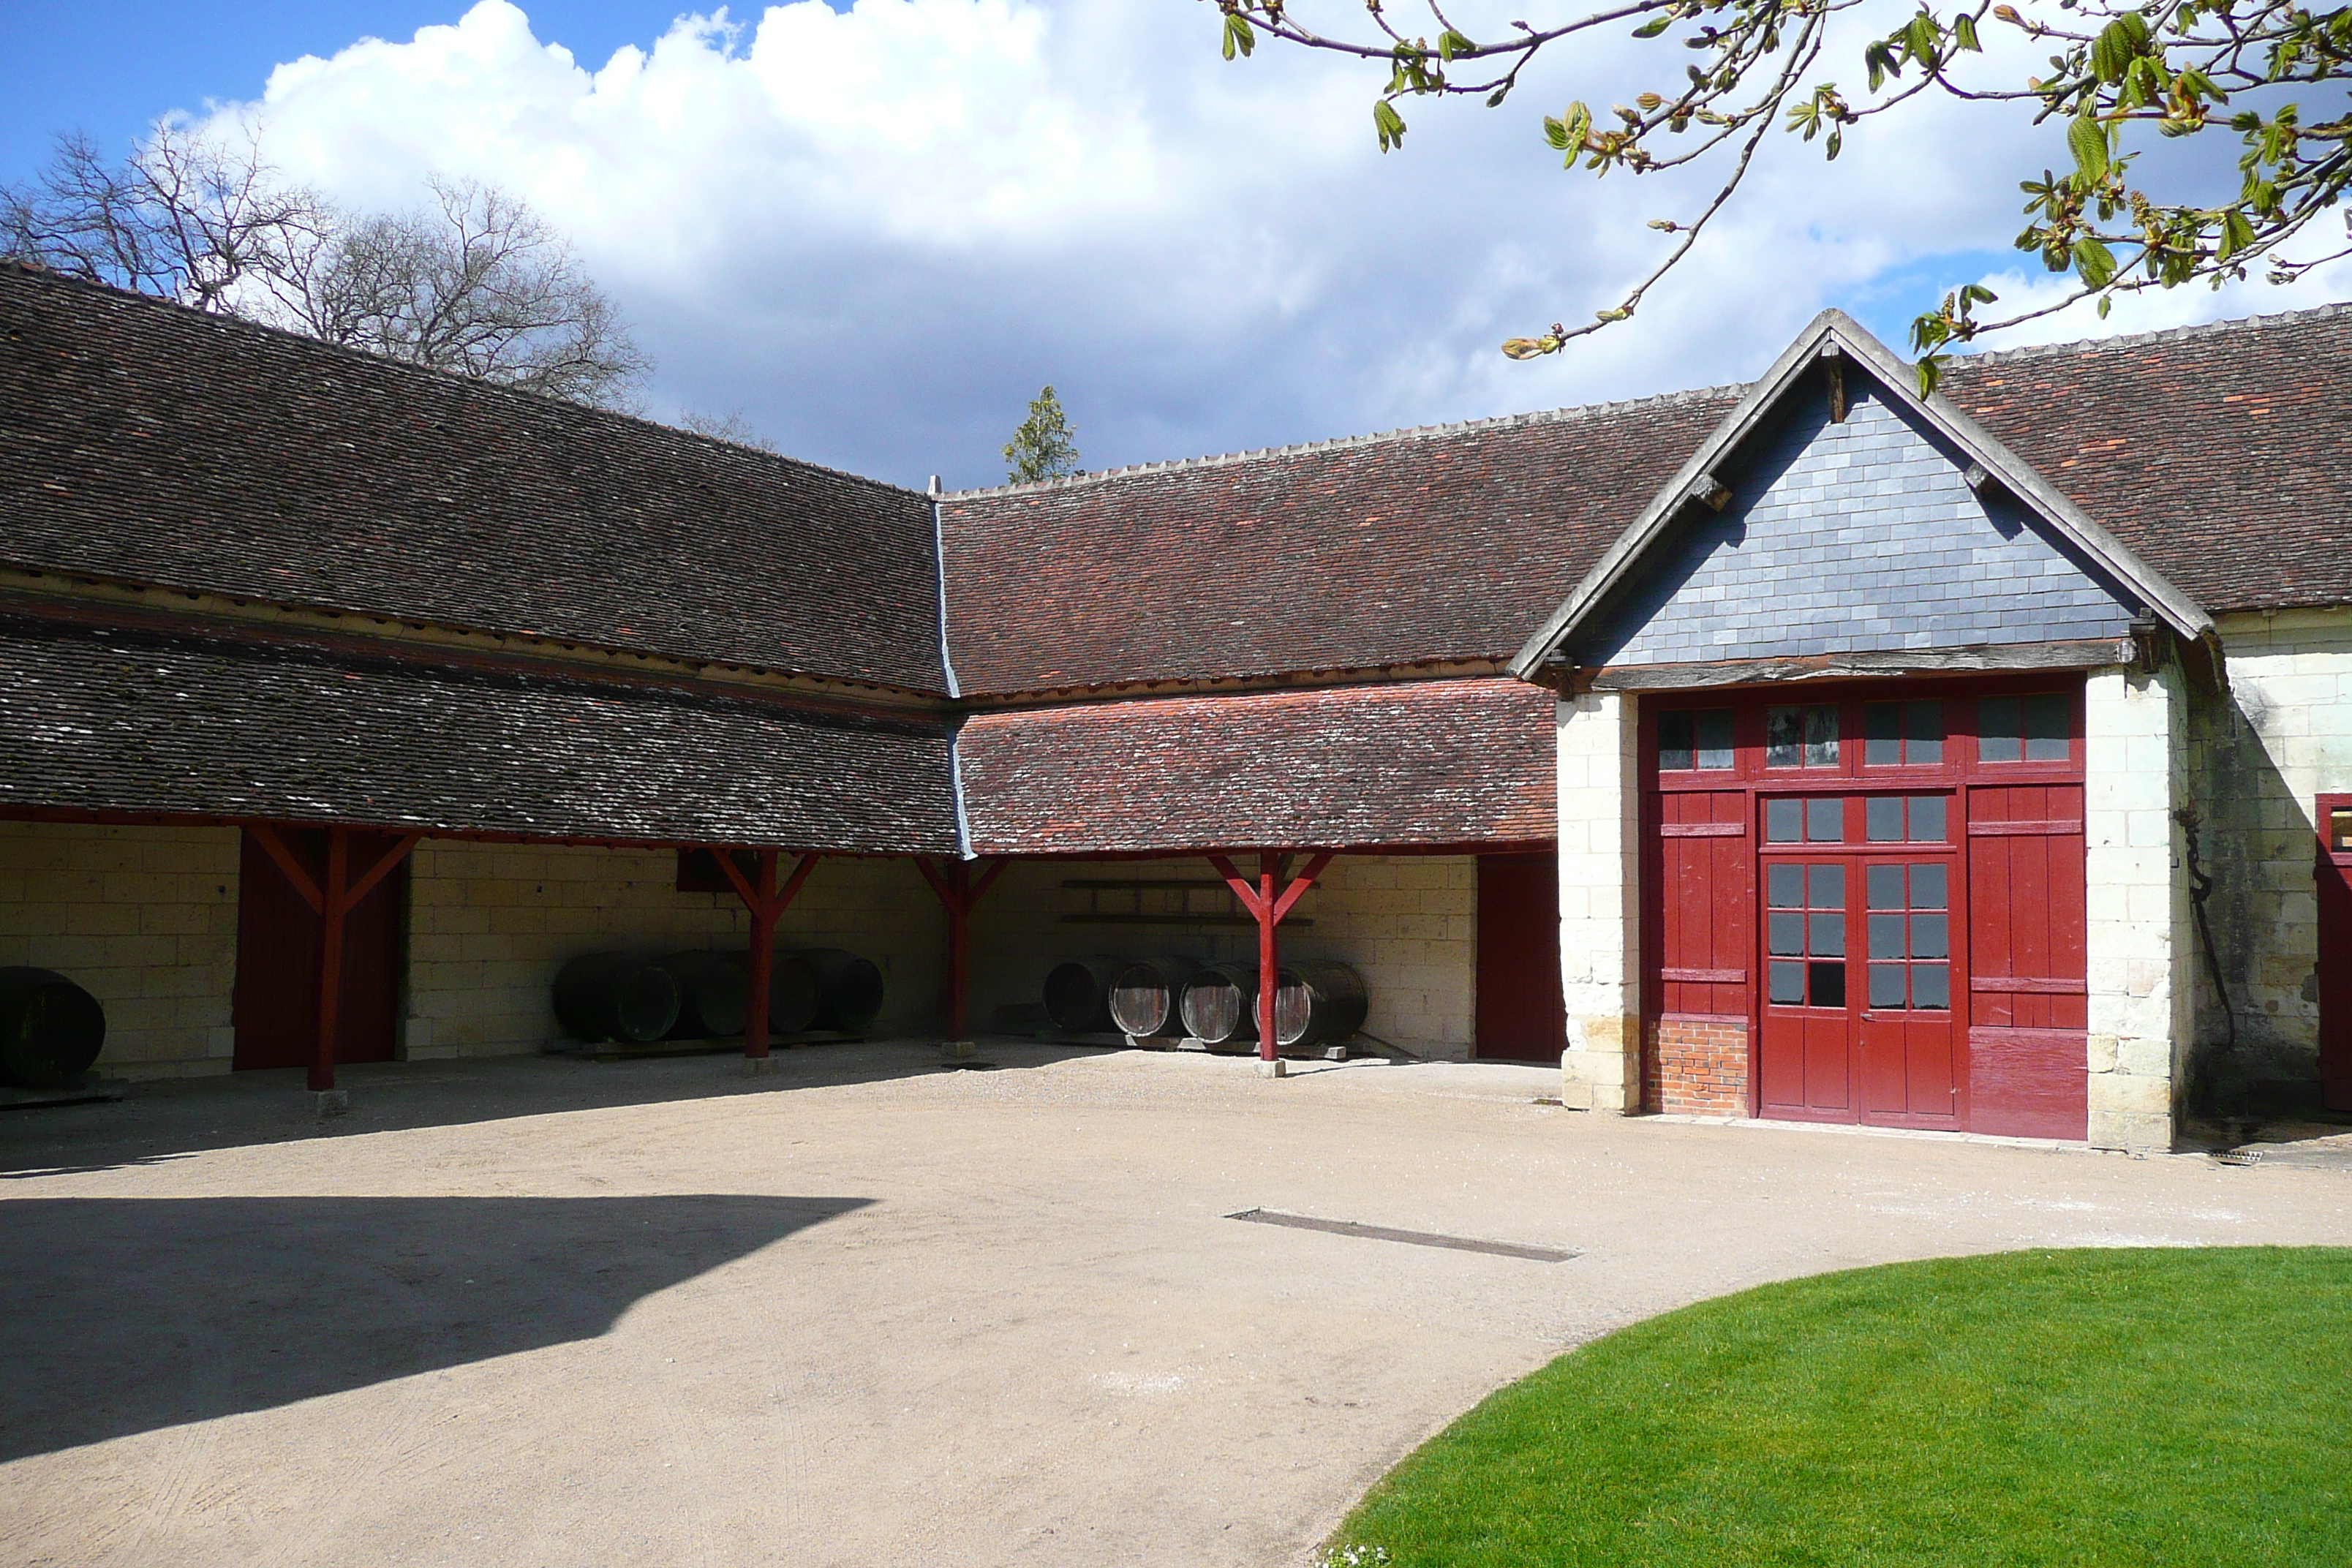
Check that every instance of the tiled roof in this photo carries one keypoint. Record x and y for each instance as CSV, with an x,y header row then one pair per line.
x,y
149,442
1425,546
2221,454
123,721
1420,763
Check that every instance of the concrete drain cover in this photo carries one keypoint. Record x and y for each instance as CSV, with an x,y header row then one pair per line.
x,y
1410,1237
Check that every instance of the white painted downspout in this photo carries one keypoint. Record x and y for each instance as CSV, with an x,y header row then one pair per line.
x,y
947,667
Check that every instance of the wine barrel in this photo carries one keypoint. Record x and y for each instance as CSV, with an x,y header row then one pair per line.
x,y
616,997
1220,1004
1143,996
791,990
52,1030
712,1000
1077,993
849,989
1318,1004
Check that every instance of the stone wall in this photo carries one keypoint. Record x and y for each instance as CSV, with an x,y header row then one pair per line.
x,y
490,925
1600,916
143,918
2279,736
1696,1066
2137,932
1405,923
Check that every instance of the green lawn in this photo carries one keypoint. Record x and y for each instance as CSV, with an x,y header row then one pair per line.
x,y
2132,1408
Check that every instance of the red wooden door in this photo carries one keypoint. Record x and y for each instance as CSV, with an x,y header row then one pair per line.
x,y
2336,951
277,991
1804,1055
1906,1050
2028,967
1521,1016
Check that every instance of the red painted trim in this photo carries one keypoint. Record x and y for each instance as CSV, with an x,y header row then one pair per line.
x,y
337,904
1703,829
2028,986
1702,977
2333,875
2020,829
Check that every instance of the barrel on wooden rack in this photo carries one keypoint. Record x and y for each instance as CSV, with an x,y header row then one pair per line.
x,y
1143,996
1220,1004
616,997
1318,1004
52,1030
792,989
711,994
849,989
1077,993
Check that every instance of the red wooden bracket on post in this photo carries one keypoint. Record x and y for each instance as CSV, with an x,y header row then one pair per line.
x,y
1268,901
958,890
767,902
330,900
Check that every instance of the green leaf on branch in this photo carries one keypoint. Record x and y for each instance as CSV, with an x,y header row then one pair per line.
x,y
1653,27
1239,35
1567,133
2093,261
2087,139
1390,124
1451,42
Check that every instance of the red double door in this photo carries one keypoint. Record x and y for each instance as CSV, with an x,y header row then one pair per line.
x,y
276,1005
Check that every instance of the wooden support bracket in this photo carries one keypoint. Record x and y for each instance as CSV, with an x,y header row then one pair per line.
x,y
1268,901
332,900
958,890
766,901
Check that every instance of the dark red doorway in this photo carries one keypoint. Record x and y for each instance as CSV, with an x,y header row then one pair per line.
x,y
2336,951
278,935
1520,1015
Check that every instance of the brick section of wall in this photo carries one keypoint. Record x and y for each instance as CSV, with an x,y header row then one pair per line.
x,y
1695,1066
143,918
1859,536
1407,923
2281,736
490,925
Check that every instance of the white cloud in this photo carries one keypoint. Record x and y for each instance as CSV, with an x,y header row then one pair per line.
x,y
878,232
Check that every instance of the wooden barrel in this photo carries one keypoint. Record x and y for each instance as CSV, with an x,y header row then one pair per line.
x,y
712,999
616,997
1318,1004
791,990
1143,996
52,1030
1220,1004
1077,993
849,989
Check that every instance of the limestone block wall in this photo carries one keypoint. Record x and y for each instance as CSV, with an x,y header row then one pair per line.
x,y
143,918
1600,915
490,924
2281,735
2137,934
1406,923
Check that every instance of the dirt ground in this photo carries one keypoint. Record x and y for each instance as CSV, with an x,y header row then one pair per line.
x,y
866,1310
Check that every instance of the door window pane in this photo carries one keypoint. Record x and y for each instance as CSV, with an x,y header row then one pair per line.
x,y
1885,819
1927,888
2001,730
1784,821
1674,731
1785,887
1826,886
1885,887
1714,738
2049,728
1881,734
1786,984
1931,936
2037,729
1885,938
1927,819
1801,737
1787,930
1923,733
1931,986
1825,819
1825,984
1829,936
1887,988
1897,733
1693,738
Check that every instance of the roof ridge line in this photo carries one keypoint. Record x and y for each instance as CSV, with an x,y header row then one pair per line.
x,y
1335,443
35,269
2155,334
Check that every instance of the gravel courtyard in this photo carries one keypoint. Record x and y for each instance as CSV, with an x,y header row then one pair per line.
x,y
865,1310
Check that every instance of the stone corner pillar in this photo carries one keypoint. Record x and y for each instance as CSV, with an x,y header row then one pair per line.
x,y
2138,935
1600,911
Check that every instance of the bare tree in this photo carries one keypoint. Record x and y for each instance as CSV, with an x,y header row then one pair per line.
x,y
472,282
184,217
731,425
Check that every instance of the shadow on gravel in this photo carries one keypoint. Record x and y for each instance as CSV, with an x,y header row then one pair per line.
x,y
166,1120
128,1314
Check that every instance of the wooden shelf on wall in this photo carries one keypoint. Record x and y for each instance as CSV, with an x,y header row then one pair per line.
x,y
1095,886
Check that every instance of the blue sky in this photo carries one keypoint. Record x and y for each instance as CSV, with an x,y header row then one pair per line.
x,y
877,231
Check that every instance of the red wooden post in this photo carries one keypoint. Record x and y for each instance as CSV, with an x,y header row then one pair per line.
x,y
333,899
765,908
959,877
1269,962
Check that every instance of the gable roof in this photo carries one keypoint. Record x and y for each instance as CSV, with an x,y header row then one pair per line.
x,y
1836,336
149,442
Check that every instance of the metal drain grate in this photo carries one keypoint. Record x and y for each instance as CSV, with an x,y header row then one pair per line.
x,y
1410,1237
2239,1157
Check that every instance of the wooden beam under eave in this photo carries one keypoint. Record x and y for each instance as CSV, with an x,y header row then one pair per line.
x,y
2097,653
